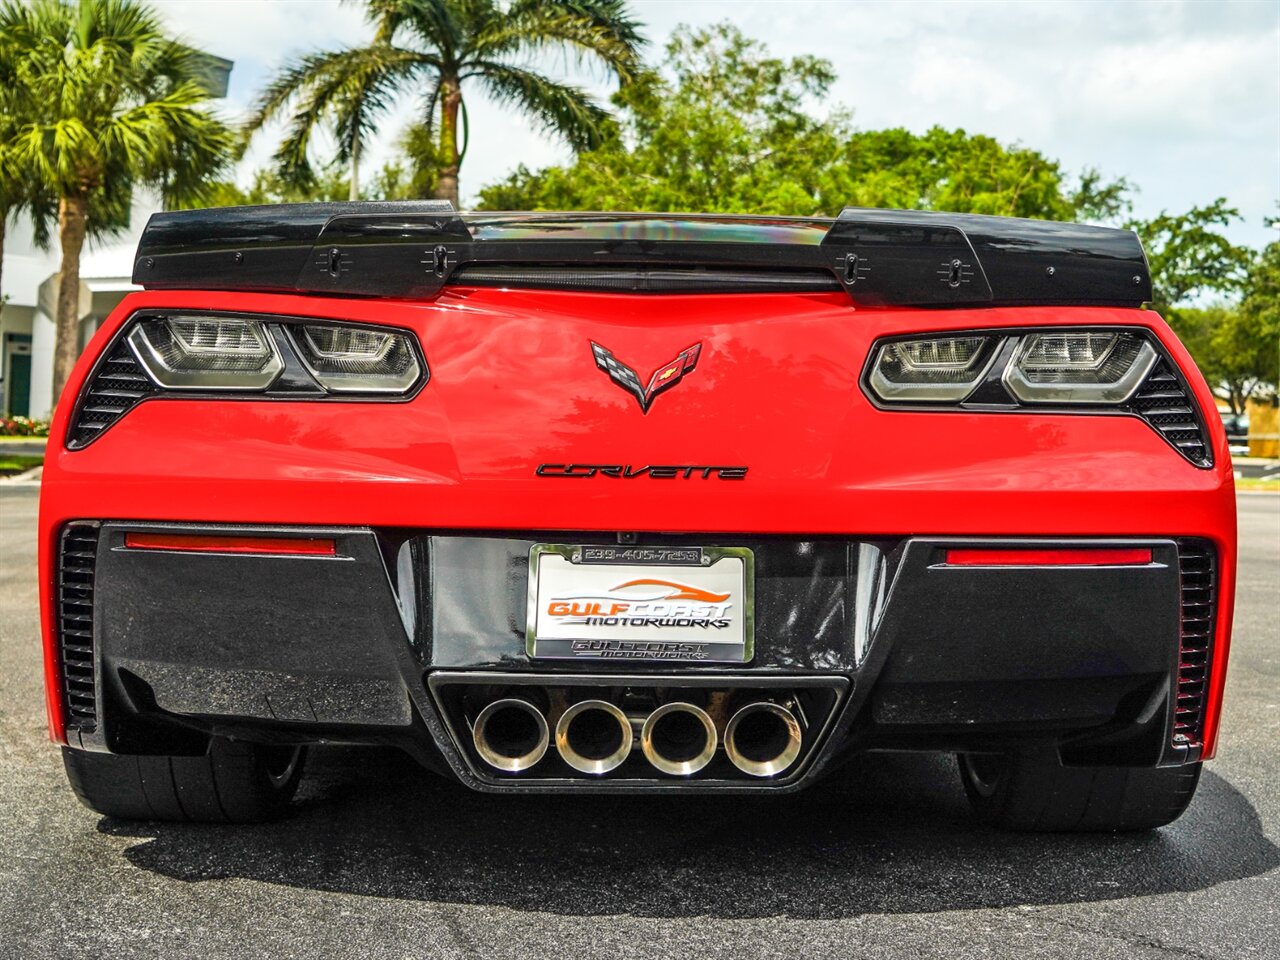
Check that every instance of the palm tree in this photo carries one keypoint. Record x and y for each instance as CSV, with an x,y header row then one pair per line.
x,y
434,49
19,191
102,102
22,191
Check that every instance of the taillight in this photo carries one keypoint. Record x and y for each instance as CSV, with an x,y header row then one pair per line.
x,y
206,353
1083,366
203,543
933,368
233,356
1109,370
1048,557
348,359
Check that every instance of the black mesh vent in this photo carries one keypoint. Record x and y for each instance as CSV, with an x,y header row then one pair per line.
x,y
643,279
1167,405
76,555
116,387
1198,572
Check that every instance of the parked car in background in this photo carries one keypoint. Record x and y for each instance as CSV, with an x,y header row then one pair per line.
x,y
1237,428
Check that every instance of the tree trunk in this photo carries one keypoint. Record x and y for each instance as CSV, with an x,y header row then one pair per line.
x,y
354,193
72,224
4,222
1237,398
450,102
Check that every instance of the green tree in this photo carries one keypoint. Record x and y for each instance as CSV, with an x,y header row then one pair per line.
x,y
415,172
965,173
1190,256
1235,342
723,126
1235,338
20,192
1234,351
396,180
103,102
434,50
1260,313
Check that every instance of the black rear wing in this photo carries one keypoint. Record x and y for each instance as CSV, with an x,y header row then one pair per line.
x,y
413,249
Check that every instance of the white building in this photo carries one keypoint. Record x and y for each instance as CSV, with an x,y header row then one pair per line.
x,y
29,288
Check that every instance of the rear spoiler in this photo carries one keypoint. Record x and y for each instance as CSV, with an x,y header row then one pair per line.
x,y
412,249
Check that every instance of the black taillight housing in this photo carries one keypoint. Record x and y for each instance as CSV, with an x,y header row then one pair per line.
x,y
195,354
1117,370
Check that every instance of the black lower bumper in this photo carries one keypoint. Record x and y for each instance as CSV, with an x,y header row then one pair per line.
x,y
910,652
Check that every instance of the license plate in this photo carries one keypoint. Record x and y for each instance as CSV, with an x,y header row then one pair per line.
x,y
604,602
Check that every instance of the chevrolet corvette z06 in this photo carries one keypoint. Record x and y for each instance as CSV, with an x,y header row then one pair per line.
x,y
636,503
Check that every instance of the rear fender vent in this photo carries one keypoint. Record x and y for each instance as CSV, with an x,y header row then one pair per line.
x,y
77,554
115,387
1197,568
1166,403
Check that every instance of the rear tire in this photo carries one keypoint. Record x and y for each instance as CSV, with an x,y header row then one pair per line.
x,y
1038,793
233,782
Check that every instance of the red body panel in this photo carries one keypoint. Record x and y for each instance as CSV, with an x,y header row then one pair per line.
x,y
513,385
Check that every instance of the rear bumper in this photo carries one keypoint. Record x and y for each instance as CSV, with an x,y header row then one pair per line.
x,y
911,651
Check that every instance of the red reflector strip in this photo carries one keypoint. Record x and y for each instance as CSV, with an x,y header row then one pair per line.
x,y
198,543
1084,557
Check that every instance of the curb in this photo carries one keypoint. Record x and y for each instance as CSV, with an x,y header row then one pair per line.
x,y
28,478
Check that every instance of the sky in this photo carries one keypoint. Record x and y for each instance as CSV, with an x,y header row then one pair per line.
x,y
1182,98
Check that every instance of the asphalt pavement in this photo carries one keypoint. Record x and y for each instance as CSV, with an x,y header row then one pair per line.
x,y
383,860
1256,468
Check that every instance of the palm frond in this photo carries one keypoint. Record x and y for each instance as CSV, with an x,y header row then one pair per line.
x,y
324,80
590,29
560,108
352,89
170,142
293,78
429,104
438,24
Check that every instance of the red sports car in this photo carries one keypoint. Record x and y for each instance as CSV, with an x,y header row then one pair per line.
x,y
637,503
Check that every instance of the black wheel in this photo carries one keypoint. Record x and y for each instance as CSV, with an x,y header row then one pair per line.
x,y
1038,793
233,782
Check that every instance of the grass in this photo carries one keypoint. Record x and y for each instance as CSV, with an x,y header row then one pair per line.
x,y
1256,483
11,463
4,440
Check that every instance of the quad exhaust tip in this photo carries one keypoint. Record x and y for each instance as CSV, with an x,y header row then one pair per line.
x,y
678,738
511,735
593,736
763,739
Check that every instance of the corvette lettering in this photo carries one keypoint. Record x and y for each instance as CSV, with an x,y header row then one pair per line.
x,y
629,472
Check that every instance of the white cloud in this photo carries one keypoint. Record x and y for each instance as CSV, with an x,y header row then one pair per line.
x,y
1181,97
264,32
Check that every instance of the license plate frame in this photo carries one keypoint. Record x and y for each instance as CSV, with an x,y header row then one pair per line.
x,y
552,566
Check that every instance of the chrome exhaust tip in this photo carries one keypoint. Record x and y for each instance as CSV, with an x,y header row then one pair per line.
x,y
678,738
593,736
763,739
510,735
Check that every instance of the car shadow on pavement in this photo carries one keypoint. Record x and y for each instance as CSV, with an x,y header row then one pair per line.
x,y
888,834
